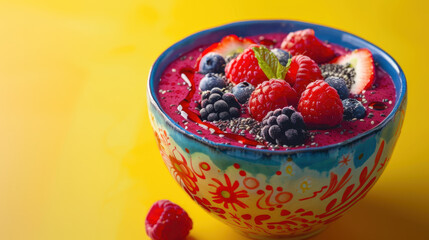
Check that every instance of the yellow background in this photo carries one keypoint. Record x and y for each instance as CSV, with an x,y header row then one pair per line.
x,y
77,155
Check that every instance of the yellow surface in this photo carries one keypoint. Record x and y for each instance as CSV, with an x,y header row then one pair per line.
x,y
77,155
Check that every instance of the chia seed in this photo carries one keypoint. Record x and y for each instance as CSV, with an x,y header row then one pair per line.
x,y
336,70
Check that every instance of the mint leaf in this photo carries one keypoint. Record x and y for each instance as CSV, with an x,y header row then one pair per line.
x,y
269,63
281,71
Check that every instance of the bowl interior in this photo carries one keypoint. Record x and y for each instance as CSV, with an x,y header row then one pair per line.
x,y
250,28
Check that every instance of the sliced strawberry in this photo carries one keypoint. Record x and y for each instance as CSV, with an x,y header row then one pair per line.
x,y
362,62
228,46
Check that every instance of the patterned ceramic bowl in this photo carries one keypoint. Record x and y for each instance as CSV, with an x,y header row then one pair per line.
x,y
284,194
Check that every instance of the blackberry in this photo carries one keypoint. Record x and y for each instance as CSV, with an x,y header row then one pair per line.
x,y
217,105
337,70
284,127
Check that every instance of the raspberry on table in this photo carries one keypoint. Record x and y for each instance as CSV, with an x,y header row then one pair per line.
x,y
320,105
245,68
167,221
303,70
305,42
216,105
271,95
284,126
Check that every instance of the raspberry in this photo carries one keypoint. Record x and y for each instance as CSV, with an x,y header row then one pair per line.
x,y
305,42
320,105
269,96
216,105
167,221
245,68
284,127
303,70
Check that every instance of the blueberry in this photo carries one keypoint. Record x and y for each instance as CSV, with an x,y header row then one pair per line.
x,y
353,109
210,81
282,55
340,85
212,63
242,91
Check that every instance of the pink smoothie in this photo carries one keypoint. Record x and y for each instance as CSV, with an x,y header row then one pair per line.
x,y
179,95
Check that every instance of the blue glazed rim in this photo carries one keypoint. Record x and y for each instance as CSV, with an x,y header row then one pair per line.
x,y
256,27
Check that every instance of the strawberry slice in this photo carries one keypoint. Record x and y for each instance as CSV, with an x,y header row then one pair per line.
x,y
362,62
228,46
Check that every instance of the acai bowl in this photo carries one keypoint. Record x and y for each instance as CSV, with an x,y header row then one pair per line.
x,y
272,190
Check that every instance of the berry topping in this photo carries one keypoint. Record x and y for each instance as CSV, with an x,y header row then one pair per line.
x,y
303,70
210,81
353,109
305,42
216,105
167,221
282,55
242,91
228,47
336,70
340,85
212,63
245,68
320,105
363,64
269,96
284,127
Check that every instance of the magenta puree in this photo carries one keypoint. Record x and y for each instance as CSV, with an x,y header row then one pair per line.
x,y
173,92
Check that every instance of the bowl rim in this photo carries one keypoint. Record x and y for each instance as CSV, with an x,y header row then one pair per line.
x,y
155,102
